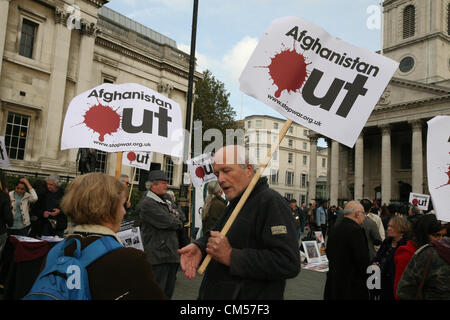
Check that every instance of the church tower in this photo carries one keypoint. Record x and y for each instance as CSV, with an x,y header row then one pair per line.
x,y
417,34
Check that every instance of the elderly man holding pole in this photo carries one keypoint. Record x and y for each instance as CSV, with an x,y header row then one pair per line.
x,y
259,251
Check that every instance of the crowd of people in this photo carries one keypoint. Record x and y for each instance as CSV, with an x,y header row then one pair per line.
x,y
260,251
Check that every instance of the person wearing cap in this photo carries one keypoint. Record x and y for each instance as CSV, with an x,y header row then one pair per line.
x,y
159,231
260,250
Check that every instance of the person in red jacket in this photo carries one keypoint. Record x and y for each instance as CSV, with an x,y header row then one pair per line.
x,y
425,230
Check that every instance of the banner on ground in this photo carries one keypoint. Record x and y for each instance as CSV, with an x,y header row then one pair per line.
x,y
316,80
123,117
4,159
421,200
140,160
438,165
201,169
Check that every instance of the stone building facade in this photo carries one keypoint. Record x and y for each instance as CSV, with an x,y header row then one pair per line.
x,y
388,160
53,50
289,171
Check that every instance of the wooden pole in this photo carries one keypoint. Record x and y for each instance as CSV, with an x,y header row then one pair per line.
x,y
249,189
190,211
119,165
132,183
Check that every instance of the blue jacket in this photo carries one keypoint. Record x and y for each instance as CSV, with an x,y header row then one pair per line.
x,y
321,216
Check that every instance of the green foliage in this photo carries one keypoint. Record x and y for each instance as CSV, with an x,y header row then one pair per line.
x,y
212,106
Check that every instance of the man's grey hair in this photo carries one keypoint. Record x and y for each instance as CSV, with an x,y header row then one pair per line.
x,y
352,207
123,176
55,179
148,185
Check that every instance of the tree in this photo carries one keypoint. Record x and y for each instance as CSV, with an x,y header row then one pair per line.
x,y
212,107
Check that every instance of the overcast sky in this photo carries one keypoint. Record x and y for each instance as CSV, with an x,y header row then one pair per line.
x,y
229,30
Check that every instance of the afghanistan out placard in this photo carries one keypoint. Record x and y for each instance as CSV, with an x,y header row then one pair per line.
x,y
421,200
316,80
140,160
438,165
4,159
201,169
124,117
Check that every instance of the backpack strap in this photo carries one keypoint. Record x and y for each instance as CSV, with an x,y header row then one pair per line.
x,y
58,250
97,249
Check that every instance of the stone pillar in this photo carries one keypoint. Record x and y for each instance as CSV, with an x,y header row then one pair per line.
x,y
57,86
312,167
417,157
4,10
386,172
359,168
334,183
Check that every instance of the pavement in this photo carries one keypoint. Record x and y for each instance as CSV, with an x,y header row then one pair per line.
x,y
308,285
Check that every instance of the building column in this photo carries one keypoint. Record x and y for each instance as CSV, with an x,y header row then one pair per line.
x,y
359,168
312,167
386,172
4,11
417,157
334,176
57,86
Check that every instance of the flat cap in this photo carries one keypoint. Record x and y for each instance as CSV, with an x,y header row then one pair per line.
x,y
157,175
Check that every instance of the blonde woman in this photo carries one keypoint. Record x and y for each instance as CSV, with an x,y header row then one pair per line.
x,y
95,204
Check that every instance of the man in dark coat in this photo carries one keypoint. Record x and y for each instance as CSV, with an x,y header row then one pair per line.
x,y
260,250
348,257
159,231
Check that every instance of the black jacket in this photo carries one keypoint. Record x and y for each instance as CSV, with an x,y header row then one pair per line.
x,y
6,216
265,250
348,257
53,225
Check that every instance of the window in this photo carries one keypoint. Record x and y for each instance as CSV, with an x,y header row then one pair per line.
x,y
409,21
106,80
406,64
137,176
258,123
275,125
289,178
290,157
406,156
304,179
27,38
288,196
249,124
257,137
305,146
16,135
303,198
102,158
290,143
305,160
305,132
169,169
273,176
275,155
291,129
324,162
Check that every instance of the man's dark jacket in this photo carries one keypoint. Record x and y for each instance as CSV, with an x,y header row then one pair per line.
x,y
264,250
348,257
6,216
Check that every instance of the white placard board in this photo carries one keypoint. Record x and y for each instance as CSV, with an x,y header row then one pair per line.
x,y
422,200
315,79
140,160
124,117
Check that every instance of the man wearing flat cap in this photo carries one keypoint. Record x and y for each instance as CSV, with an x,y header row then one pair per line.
x,y
159,231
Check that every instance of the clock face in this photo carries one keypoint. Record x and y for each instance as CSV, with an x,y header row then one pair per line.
x,y
406,64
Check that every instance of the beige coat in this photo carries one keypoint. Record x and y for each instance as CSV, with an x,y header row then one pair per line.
x,y
27,200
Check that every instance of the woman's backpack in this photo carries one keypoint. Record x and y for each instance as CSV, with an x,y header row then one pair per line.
x,y
66,277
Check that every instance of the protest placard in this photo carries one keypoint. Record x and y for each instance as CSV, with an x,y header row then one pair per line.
x,y
315,79
4,159
421,200
438,165
123,117
201,170
140,160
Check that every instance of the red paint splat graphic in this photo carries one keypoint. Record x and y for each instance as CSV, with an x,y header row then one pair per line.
x,y
288,70
102,119
415,201
448,183
131,156
199,172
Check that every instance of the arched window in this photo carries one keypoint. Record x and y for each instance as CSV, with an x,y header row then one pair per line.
x,y
409,21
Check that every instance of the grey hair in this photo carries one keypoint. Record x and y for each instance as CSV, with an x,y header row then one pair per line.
x,y
352,207
54,178
213,188
148,185
123,176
